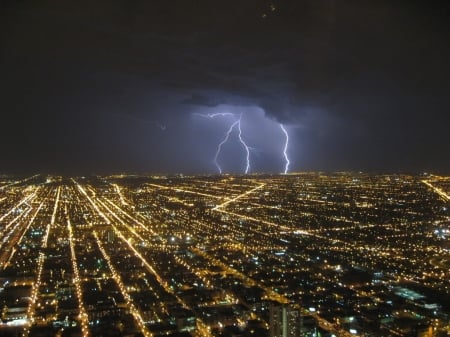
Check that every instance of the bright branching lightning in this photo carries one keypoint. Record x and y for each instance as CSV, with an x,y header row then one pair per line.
x,y
236,124
227,136
221,114
219,147
286,167
247,149
218,114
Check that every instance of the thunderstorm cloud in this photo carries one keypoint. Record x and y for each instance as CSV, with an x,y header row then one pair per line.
x,y
112,85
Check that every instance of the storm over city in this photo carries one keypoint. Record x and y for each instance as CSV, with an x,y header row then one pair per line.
x,y
210,168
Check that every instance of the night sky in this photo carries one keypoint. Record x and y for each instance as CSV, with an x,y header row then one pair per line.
x,y
111,86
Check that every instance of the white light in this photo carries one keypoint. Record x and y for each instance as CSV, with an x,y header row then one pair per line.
x,y
286,167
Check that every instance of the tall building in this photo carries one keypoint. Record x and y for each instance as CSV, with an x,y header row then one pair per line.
x,y
285,320
110,235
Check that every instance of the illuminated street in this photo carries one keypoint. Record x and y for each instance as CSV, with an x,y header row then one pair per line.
x,y
215,256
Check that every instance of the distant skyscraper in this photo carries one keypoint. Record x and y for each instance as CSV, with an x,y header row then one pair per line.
x,y
110,236
285,321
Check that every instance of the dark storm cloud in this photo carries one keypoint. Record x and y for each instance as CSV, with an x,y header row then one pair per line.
x,y
200,99
359,77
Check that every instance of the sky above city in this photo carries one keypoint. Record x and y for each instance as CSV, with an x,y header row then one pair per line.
x,y
111,86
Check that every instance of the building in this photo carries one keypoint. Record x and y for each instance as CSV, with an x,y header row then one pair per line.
x,y
285,320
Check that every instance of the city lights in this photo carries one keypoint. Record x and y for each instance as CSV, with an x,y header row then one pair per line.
x,y
205,255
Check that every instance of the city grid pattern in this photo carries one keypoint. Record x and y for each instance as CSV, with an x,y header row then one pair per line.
x,y
344,254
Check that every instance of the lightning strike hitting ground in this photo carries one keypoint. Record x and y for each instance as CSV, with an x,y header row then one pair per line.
x,y
247,149
227,136
286,167
219,147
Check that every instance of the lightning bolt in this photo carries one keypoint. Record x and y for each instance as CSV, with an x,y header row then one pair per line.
x,y
219,147
247,149
286,143
236,123
217,114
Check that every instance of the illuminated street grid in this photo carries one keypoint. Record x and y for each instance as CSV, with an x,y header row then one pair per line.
x,y
355,254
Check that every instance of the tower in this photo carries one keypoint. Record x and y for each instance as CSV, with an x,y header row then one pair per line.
x,y
285,320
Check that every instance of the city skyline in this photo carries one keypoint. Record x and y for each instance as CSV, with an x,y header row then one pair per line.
x,y
300,255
